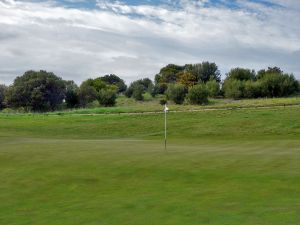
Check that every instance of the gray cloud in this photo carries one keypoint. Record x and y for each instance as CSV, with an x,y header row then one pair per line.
x,y
136,41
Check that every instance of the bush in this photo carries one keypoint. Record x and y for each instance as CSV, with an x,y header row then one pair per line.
x,y
213,88
159,89
176,93
163,101
241,74
87,94
198,94
137,92
233,88
3,89
72,94
252,89
107,97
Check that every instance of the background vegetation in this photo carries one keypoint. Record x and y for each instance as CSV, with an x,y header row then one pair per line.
x,y
41,91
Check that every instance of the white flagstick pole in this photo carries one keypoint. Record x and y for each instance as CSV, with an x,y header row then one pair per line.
x,y
165,127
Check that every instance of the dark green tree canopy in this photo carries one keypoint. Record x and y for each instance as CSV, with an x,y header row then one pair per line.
x,y
113,79
241,74
37,91
3,90
205,71
71,94
168,73
202,72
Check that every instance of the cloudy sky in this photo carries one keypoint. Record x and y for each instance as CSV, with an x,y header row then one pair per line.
x,y
78,39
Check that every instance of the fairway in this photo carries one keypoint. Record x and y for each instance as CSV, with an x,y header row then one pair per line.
x,y
220,167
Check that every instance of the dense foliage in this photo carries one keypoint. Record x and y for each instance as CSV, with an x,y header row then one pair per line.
x,y
3,89
37,91
242,83
177,93
191,83
198,94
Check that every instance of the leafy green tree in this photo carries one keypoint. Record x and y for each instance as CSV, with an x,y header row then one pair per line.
x,y
252,89
3,90
213,88
37,91
72,94
139,87
87,94
205,71
198,94
186,78
241,74
107,97
97,83
113,79
160,88
168,74
138,91
176,93
233,88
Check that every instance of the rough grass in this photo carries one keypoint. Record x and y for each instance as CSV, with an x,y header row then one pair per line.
x,y
221,167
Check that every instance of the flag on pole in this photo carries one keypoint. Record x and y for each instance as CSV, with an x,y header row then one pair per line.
x,y
166,109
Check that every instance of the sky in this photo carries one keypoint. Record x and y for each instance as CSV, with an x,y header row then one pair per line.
x,y
80,39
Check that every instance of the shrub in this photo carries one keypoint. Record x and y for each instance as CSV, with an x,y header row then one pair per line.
x,y
163,101
3,89
198,94
213,88
87,94
137,92
72,94
107,97
176,93
233,88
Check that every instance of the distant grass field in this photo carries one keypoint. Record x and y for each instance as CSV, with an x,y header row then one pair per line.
x,y
221,167
125,105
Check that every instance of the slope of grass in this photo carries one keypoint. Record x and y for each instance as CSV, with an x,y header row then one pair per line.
x,y
125,105
221,167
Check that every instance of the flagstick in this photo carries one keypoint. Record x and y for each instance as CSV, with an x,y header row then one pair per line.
x,y
165,128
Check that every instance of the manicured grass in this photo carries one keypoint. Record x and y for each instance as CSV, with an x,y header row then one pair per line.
x,y
221,167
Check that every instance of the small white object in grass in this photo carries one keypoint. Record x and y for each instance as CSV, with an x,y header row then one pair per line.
x,y
166,109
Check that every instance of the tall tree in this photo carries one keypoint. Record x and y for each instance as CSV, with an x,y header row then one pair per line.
x,y
37,91
113,79
3,89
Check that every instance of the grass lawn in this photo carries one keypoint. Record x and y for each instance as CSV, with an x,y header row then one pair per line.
x,y
221,167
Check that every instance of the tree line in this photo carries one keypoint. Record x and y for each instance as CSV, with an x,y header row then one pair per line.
x,y
192,83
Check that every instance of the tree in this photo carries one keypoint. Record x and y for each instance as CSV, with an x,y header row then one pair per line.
x,y
233,88
205,71
113,79
168,74
159,89
107,97
213,88
138,91
97,83
87,94
3,90
176,93
37,91
241,74
252,89
72,94
198,94
139,87
186,78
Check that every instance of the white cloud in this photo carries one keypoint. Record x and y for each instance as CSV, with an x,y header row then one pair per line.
x,y
135,41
